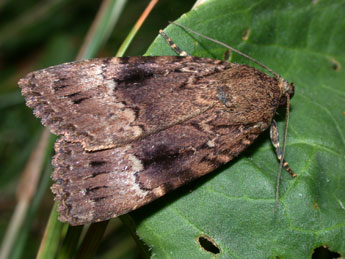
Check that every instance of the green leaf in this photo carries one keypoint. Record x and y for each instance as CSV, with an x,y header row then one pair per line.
x,y
304,42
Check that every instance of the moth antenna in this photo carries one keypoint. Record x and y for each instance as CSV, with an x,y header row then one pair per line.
x,y
174,47
228,47
283,153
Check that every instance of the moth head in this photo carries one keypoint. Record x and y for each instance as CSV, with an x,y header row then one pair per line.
x,y
287,89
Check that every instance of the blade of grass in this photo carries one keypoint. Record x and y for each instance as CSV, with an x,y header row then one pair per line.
x,y
31,215
99,32
135,29
25,191
92,239
69,247
21,241
52,235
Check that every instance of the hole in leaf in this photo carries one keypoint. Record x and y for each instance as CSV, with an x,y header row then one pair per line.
x,y
208,244
323,252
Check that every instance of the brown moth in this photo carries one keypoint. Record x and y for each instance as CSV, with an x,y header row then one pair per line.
x,y
134,128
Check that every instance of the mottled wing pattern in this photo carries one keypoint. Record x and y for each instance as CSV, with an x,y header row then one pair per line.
x,y
103,103
181,122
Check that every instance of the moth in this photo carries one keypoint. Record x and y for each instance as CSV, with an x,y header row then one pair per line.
x,y
134,128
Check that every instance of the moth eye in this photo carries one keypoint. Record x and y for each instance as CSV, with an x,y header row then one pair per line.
x,y
290,89
282,101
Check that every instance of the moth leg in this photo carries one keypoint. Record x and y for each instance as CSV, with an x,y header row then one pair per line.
x,y
275,142
175,48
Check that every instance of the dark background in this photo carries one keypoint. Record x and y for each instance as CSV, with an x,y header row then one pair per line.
x,y
36,34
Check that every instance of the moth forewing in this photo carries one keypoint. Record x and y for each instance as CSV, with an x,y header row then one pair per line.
x,y
134,128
